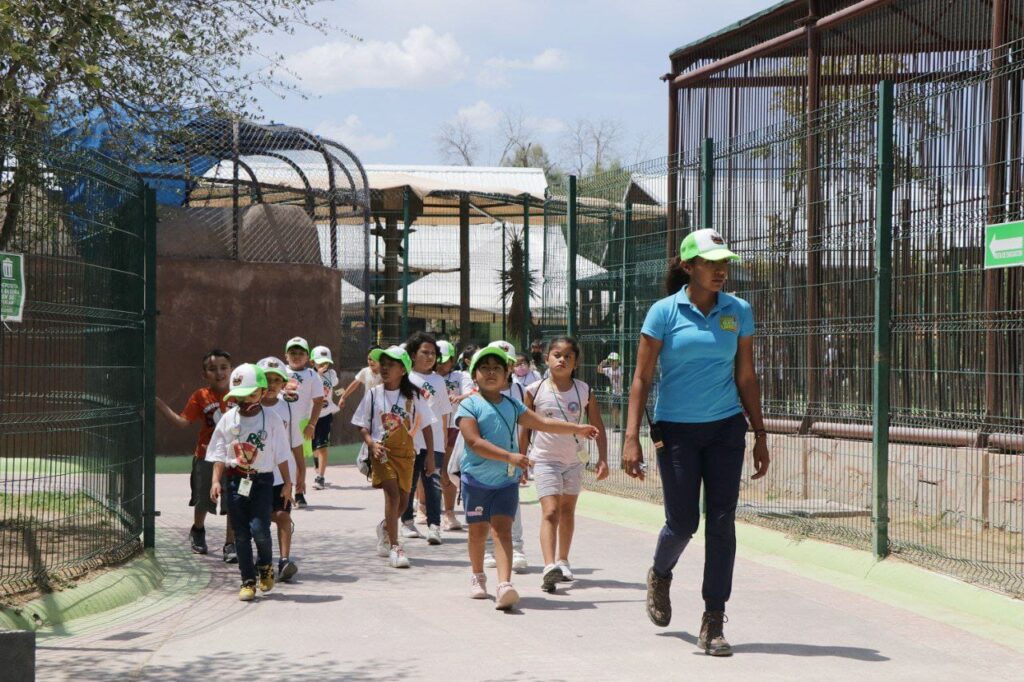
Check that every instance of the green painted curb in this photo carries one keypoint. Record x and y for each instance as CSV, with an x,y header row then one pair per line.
x,y
982,612
106,592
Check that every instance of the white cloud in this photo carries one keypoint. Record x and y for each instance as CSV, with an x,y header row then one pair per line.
x,y
546,125
422,60
351,133
494,73
481,115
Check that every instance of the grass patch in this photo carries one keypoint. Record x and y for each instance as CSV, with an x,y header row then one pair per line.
x,y
182,464
43,502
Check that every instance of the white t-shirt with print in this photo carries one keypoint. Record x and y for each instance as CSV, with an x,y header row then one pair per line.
x,y
284,411
311,387
570,406
614,375
527,379
380,401
330,382
435,392
265,430
368,378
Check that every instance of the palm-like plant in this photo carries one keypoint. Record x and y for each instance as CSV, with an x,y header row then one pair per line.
x,y
517,286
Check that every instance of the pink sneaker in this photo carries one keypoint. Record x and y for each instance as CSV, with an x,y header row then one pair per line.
x,y
478,586
507,597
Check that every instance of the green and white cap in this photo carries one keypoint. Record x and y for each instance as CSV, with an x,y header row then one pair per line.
x,y
507,347
395,353
496,351
246,380
707,244
297,341
272,365
446,349
613,356
322,354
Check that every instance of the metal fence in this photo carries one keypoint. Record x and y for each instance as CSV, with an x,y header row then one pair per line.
x,y
72,369
891,362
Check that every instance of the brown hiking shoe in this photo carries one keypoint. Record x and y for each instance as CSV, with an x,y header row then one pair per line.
x,y
659,604
712,638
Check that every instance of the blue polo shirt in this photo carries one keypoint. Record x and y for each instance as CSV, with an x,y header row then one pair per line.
x,y
698,357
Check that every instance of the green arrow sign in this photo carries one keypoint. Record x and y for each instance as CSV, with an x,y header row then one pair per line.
x,y
1004,245
12,286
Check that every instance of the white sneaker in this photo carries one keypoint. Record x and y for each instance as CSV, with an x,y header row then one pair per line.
x,y
563,565
408,530
507,597
450,522
397,558
489,561
383,545
433,535
478,586
519,562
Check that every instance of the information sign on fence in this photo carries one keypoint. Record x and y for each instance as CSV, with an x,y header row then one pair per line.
x,y
12,286
1004,245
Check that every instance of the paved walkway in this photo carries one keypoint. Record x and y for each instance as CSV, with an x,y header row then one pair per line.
x,y
349,617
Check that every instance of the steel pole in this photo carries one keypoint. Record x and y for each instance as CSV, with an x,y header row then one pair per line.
x,y
707,183
526,275
883,332
407,223
570,266
149,512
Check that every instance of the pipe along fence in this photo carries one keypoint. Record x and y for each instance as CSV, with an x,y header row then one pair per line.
x,y
76,362
890,359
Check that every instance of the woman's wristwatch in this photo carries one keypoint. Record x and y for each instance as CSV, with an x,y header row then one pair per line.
x,y
760,433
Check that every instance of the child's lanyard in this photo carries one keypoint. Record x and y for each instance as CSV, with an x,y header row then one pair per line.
x,y
555,394
511,433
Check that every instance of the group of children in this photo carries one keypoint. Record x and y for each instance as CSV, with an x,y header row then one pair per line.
x,y
473,434
259,423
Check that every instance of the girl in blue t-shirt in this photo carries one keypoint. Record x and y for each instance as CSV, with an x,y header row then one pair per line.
x,y
492,467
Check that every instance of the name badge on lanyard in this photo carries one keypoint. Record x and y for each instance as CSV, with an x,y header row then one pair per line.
x,y
245,487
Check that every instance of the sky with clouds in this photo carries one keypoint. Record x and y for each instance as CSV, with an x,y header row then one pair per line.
x,y
420,63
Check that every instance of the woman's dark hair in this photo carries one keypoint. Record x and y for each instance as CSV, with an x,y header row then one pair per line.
x,y
675,277
522,357
417,339
572,342
466,356
216,353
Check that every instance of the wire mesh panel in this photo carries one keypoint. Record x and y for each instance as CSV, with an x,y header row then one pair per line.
x,y
71,372
957,489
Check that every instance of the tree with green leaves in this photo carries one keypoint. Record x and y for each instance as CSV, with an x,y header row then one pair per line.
x,y
131,60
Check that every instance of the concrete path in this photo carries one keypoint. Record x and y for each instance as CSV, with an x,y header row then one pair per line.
x,y
350,617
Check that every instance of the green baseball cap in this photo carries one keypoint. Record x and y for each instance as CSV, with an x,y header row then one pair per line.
x,y
447,350
707,244
272,365
246,380
296,341
395,353
483,353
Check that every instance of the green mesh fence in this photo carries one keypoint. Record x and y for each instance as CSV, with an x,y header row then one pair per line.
x,y
809,237
71,371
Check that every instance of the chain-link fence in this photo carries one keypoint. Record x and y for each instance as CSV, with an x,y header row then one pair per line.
x,y
896,419
71,369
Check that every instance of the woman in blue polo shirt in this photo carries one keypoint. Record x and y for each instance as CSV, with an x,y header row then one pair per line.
x,y
703,338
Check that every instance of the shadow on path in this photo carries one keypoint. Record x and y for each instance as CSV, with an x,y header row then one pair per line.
x,y
790,649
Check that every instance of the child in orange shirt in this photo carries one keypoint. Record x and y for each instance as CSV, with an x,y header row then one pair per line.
x,y
206,405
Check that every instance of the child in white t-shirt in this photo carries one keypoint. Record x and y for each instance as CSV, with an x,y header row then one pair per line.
x,y
389,417
367,377
306,394
458,385
559,460
611,368
277,376
247,444
522,373
422,350
323,363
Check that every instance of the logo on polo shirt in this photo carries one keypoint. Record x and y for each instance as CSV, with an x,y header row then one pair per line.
x,y
728,323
